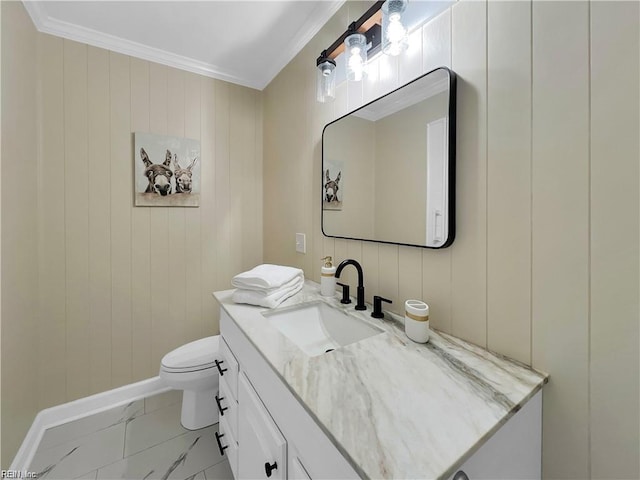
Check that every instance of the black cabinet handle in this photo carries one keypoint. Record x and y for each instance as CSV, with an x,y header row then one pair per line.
x,y
220,369
220,447
460,475
221,409
270,468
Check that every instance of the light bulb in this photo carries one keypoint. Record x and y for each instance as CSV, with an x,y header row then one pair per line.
x,y
355,45
356,65
394,34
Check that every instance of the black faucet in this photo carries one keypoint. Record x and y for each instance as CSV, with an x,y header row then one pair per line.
x,y
360,292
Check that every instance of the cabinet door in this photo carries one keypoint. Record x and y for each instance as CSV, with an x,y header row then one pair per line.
x,y
262,448
514,452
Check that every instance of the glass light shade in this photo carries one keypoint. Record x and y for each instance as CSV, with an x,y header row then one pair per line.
x,y
394,33
356,52
326,81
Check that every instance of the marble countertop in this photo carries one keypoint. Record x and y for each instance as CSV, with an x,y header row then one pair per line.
x,y
394,408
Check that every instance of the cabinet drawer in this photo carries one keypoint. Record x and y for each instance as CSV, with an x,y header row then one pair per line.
x,y
228,368
228,445
264,450
227,407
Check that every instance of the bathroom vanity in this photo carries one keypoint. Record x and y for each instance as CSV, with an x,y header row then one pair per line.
x,y
379,407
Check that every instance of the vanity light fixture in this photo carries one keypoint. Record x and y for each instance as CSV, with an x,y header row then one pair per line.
x,y
325,78
394,33
360,40
356,50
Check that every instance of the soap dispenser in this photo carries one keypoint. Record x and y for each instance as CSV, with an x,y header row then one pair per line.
x,y
328,278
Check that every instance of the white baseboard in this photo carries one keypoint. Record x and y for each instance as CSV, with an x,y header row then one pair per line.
x,y
83,407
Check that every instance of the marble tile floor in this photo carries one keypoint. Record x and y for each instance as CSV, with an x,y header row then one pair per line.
x,y
139,441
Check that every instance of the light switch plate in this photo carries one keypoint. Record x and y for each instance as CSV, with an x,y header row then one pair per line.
x,y
301,243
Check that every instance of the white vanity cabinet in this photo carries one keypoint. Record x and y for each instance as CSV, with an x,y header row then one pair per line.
x,y
275,438
267,433
513,452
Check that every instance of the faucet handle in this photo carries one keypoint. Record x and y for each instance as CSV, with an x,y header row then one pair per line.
x,y
345,293
377,306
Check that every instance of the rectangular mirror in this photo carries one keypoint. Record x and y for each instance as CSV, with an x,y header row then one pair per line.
x,y
388,168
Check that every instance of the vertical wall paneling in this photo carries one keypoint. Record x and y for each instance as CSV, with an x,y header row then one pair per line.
x,y
142,366
436,264
76,188
241,144
20,181
195,326
388,281
52,276
210,240
509,179
469,259
387,74
409,275
371,87
354,95
176,235
615,109
436,42
354,251
340,253
121,200
222,188
410,62
560,266
370,264
99,212
159,225
436,287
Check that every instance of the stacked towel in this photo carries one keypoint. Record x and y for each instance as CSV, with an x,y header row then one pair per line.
x,y
267,285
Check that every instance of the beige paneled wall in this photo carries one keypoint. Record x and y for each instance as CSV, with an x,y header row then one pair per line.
x,y
545,266
120,285
19,228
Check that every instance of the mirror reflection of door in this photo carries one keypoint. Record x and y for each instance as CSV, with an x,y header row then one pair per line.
x,y
437,174
396,156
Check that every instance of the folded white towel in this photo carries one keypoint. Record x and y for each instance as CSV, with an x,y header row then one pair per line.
x,y
266,277
269,299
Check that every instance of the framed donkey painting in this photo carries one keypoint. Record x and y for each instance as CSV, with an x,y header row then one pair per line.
x,y
167,171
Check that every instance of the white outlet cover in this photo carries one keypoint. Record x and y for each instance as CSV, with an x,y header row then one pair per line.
x,y
301,243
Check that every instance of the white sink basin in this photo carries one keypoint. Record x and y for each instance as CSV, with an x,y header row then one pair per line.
x,y
317,327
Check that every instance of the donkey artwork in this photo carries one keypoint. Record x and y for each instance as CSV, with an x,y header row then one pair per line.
x,y
183,176
158,175
331,188
166,171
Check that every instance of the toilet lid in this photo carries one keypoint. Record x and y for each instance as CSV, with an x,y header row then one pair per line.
x,y
195,355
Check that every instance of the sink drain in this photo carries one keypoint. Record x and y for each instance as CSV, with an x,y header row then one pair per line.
x,y
329,350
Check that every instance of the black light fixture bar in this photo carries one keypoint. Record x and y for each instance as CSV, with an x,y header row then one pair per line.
x,y
336,47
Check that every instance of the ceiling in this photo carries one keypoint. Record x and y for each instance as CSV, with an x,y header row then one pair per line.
x,y
243,42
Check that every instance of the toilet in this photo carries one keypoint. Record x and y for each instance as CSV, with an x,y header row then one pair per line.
x,y
192,368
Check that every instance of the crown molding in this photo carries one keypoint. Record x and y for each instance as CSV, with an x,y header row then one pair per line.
x,y
46,24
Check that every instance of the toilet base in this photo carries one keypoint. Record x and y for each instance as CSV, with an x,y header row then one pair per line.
x,y
199,408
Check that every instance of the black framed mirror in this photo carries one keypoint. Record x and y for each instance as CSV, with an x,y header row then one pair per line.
x,y
388,168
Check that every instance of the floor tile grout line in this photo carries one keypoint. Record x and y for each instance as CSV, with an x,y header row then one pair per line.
x,y
81,436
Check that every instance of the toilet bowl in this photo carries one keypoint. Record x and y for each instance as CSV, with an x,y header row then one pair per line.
x,y
192,368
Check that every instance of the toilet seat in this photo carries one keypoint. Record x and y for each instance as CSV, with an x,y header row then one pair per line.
x,y
194,356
